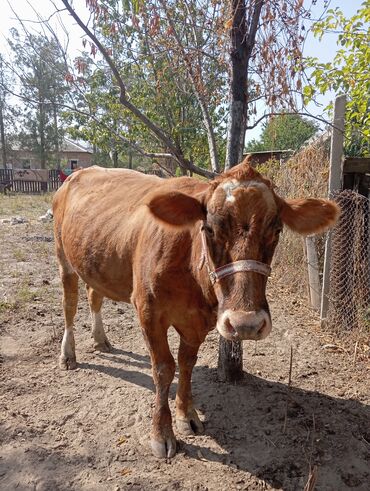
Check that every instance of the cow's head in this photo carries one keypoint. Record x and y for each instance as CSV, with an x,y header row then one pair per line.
x,y
242,218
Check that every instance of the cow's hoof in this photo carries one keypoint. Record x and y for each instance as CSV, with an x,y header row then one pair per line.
x,y
164,449
104,346
67,363
189,426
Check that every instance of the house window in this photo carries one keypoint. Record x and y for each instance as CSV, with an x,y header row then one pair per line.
x,y
74,163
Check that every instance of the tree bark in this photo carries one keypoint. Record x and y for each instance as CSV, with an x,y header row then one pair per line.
x,y
242,40
115,157
230,360
238,82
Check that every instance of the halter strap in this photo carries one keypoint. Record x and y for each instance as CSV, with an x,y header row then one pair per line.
x,y
244,265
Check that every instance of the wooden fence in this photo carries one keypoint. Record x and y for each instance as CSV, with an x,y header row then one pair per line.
x,y
31,186
53,182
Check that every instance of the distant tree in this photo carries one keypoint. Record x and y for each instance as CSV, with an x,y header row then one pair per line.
x,y
348,73
7,111
39,69
283,132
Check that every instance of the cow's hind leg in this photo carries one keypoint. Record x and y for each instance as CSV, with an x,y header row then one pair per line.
x,y
187,420
101,342
70,299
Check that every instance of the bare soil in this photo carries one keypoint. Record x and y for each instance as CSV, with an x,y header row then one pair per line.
x,y
88,429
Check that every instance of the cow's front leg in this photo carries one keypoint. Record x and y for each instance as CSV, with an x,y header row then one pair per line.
x,y
163,440
187,420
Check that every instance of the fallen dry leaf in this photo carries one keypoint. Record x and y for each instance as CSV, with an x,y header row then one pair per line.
x,y
201,457
125,471
332,347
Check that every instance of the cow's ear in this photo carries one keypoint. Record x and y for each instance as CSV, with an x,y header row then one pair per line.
x,y
309,216
177,209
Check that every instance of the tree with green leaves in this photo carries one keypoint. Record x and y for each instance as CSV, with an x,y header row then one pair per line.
x,y
189,61
161,88
39,73
283,132
348,73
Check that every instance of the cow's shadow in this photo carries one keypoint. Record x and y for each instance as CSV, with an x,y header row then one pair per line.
x,y
271,431
277,433
118,361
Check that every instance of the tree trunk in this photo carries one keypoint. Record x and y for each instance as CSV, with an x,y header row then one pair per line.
x,y
230,360
42,134
242,40
238,84
115,158
2,136
56,136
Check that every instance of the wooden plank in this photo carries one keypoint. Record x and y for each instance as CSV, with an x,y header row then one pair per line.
x,y
313,272
356,165
335,183
30,187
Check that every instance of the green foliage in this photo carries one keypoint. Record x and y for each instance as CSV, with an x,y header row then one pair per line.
x,y
269,169
156,80
348,73
283,132
40,73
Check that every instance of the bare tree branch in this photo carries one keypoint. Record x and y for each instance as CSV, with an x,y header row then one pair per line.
x,y
176,152
299,113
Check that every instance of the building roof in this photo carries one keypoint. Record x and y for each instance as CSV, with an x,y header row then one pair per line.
x,y
66,146
267,152
71,146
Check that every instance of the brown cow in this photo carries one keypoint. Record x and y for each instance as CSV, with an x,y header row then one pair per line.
x,y
186,253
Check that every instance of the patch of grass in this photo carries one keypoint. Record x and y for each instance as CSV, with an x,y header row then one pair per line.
x,y
25,294
14,273
5,306
29,206
19,255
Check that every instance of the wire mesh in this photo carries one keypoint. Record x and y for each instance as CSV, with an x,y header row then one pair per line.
x,y
349,297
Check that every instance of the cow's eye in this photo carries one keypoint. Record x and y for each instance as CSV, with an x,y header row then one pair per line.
x,y
246,227
209,230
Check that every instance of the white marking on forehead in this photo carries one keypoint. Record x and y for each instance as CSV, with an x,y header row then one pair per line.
x,y
230,186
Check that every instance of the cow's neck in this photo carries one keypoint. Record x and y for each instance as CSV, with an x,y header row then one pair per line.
x,y
199,269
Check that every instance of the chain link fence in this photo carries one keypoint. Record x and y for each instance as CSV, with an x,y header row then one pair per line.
x,y
349,298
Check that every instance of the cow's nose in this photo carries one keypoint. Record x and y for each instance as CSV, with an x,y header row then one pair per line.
x,y
242,325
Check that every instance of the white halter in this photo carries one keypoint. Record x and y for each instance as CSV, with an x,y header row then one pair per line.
x,y
244,265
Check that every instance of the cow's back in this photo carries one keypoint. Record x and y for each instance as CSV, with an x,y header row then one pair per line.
x,y
103,228
98,215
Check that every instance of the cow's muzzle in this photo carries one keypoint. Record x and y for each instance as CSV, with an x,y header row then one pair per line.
x,y
239,325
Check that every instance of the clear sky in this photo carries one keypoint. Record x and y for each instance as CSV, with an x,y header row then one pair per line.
x,y
25,9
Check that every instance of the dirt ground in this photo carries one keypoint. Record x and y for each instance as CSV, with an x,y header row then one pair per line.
x,y
88,429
